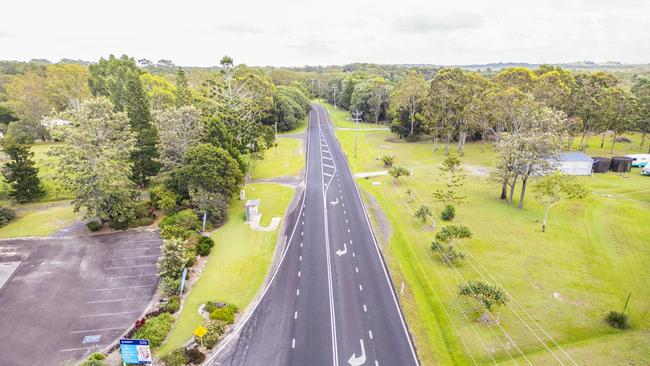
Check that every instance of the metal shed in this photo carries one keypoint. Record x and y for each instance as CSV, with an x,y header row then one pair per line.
x,y
574,163
621,164
601,164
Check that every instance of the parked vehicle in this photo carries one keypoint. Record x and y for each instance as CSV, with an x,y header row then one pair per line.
x,y
639,160
646,170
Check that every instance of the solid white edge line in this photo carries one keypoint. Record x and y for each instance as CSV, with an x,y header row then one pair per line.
x,y
277,269
381,258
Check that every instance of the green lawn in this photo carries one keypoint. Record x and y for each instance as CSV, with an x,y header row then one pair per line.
x,y
39,219
287,160
46,169
593,254
238,263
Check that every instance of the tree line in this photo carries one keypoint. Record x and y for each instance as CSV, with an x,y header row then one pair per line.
x,y
121,129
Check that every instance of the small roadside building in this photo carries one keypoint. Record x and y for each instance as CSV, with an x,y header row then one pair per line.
x,y
574,163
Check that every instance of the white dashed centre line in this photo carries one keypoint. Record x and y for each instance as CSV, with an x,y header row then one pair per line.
x,y
356,269
353,255
370,333
298,273
293,343
365,309
300,258
298,292
295,315
360,287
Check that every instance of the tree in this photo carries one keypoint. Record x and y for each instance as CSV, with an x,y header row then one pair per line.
x,y
110,78
183,92
641,92
21,174
161,93
209,168
486,295
452,174
210,205
423,214
406,105
95,158
67,85
28,99
553,188
446,240
173,257
588,102
242,99
398,171
178,129
145,155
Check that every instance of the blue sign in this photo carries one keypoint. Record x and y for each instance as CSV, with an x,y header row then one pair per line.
x,y
183,280
135,351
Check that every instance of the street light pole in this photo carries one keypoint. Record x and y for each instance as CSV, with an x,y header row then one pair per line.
x,y
356,116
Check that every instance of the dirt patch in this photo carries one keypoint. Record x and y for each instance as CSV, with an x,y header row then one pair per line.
x,y
382,227
477,170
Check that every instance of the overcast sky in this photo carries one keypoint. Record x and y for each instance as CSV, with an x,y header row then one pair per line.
x,y
296,33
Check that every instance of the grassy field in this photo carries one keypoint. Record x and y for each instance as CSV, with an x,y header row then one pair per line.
x,y
238,263
561,283
39,219
287,160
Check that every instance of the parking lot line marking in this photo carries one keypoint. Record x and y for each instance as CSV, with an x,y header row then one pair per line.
x,y
104,301
97,330
138,266
138,256
81,348
108,314
124,288
133,276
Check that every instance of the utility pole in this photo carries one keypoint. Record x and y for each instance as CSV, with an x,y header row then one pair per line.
x,y
356,116
276,137
334,90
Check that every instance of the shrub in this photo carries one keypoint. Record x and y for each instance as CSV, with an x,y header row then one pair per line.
x,y
155,329
170,286
176,357
93,225
225,314
215,329
186,219
449,254
172,305
163,199
448,213
204,246
195,356
96,359
211,305
388,160
6,215
617,320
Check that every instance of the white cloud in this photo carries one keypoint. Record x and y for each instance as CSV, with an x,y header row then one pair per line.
x,y
294,32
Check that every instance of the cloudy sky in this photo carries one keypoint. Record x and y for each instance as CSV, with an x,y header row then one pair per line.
x,y
294,32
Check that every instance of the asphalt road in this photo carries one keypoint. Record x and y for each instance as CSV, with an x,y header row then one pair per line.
x,y
69,297
330,301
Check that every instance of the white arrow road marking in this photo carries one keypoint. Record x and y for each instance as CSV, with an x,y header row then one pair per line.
x,y
342,252
358,361
334,202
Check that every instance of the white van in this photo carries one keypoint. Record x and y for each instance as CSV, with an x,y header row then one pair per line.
x,y
639,160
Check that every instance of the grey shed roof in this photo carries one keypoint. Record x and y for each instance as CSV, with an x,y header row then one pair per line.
x,y
253,202
574,156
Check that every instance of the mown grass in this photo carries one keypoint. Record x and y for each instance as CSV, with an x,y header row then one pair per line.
x,y
563,281
39,219
238,263
287,160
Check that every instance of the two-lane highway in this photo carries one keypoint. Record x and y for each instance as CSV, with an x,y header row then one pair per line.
x,y
330,300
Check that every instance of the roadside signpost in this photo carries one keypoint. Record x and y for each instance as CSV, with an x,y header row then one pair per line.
x,y
135,352
183,275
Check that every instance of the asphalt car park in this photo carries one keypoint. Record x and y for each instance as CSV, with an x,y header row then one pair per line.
x,y
64,298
